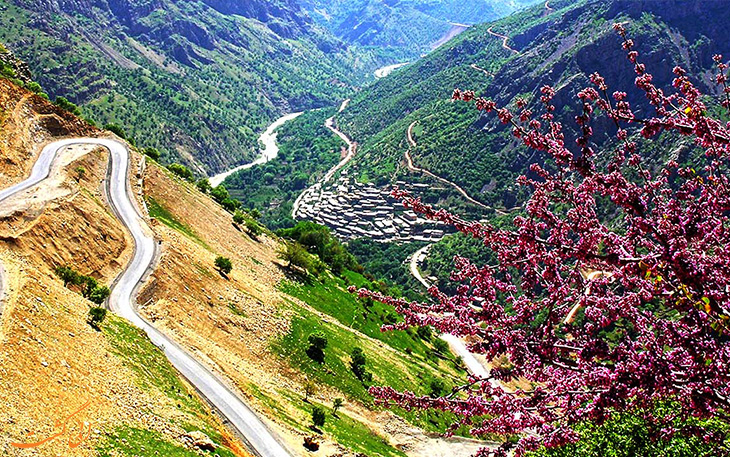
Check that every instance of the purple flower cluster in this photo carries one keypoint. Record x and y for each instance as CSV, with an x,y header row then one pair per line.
x,y
653,324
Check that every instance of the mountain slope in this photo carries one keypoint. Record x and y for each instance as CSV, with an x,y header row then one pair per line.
x,y
409,28
197,80
249,326
560,47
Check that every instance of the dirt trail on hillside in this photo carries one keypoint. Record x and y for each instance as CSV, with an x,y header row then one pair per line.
x,y
482,70
504,39
409,161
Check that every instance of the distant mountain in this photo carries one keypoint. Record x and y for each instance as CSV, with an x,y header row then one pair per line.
x,y
197,79
408,27
560,45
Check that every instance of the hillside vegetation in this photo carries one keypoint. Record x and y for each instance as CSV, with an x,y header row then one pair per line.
x,y
196,80
560,47
403,30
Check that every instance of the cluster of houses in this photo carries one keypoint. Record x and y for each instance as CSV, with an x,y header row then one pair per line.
x,y
352,209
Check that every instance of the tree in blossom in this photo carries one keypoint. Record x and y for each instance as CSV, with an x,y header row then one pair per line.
x,y
601,318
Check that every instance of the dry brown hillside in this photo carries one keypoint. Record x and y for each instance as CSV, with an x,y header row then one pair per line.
x,y
51,361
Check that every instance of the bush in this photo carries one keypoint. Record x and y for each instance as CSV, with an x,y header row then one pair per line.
x,y
319,416
317,344
96,317
239,218
337,404
80,173
114,128
62,102
219,193
253,228
425,333
90,288
67,275
441,346
152,153
181,171
357,365
318,240
295,254
223,264
437,388
99,294
230,204
204,186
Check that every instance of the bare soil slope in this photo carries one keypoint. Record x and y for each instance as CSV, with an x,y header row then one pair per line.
x,y
52,363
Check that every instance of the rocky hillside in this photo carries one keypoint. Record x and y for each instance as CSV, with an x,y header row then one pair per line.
x,y
407,28
560,46
197,80
52,362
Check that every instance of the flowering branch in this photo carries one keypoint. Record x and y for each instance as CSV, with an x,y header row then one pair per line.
x,y
651,327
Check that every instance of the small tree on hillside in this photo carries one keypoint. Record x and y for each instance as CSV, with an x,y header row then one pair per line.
x,y
152,153
317,344
223,264
67,275
319,416
337,404
181,171
99,294
357,365
309,389
79,173
96,317
204,186
238,217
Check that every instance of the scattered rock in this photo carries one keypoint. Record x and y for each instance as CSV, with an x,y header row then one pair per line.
x,y
200,440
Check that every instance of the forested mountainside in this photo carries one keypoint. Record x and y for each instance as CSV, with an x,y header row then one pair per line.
x,y
408,28
560,45
196,79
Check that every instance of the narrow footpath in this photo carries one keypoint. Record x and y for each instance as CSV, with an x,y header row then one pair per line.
x,y
504,39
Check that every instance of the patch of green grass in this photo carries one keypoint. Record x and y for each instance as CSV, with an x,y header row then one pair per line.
x,y
357,436
275,408
134,442
200,268
236,310
389,367
162,214
149,363
343,429
330,296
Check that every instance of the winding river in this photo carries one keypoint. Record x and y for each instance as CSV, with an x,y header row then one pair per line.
x,y
269,152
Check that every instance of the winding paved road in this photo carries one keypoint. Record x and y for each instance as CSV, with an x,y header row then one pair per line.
x,y
122,299
457,345
351,149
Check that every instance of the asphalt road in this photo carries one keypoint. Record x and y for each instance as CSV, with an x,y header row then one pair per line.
x,y
122,299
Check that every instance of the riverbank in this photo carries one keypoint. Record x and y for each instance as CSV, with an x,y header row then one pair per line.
x,y
269,152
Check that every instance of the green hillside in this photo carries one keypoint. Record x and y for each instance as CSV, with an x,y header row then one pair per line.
x,y
403,29
560,47
196,80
